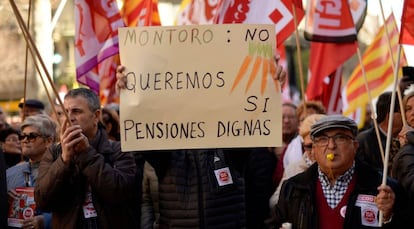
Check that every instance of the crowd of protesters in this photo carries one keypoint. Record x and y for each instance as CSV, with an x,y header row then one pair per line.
x,y
327,174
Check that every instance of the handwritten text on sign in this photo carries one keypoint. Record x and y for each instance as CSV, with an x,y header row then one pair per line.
x,y
204,86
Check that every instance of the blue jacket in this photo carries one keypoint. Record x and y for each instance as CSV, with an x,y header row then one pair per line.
x,y
16,177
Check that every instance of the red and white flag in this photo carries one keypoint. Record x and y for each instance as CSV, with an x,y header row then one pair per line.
x,y
326,58
278,12
96,38
407,23
332,21
324,86
331,96
135,13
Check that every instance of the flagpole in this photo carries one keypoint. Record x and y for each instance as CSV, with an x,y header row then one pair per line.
x,y
299,54
400,99
58,13
26,62
390,123
35,52
370,103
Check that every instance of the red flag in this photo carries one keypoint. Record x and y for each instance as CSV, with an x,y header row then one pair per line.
x,y
331,96
407,23
325,58
96,35
107,81
330,22
278,12
141,13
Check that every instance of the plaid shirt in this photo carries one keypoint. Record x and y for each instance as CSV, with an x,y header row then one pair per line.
x,y
333,194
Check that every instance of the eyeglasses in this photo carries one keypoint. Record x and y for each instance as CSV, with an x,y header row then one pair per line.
x,y
30,137
338,139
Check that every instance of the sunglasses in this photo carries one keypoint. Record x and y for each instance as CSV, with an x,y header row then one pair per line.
x,y
30,137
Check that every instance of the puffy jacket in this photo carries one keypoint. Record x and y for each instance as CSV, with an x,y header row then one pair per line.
x,y
189,194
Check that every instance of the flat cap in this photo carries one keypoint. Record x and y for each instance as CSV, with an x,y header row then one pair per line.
x,y
333,121
32,103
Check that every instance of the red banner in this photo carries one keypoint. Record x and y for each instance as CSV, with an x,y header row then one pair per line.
x,y
324,61
407,23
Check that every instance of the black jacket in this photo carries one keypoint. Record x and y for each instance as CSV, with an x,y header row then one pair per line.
x,y
403,171
3,193
369,150
189,194
297,199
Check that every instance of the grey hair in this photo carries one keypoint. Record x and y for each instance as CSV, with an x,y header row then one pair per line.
x,y
93,100
45,125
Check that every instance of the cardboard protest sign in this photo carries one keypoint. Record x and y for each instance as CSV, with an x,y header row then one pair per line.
x,y
205,86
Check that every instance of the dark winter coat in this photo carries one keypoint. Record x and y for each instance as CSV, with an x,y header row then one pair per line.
x,y
298,194
189,193
111,174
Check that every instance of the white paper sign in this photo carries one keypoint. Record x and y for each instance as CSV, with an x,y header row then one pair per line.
x,y
206,86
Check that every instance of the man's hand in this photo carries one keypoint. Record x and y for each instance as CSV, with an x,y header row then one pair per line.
x,y
280,73
36,222
385,201
73,141
402,136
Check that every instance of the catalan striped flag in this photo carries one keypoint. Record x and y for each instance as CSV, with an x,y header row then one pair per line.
x,y
407,23
378,69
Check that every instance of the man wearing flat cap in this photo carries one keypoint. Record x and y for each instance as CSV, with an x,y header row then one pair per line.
x,y
31,107
338,191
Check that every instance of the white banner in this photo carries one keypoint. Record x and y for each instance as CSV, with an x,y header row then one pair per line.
x,y
207,86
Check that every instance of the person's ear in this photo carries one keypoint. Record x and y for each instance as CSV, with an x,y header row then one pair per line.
x,y
97,118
